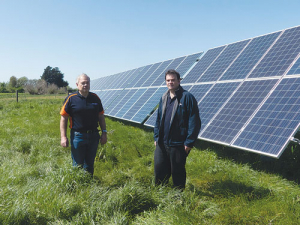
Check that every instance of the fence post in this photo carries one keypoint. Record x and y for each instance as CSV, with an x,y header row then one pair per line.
x,y
17,95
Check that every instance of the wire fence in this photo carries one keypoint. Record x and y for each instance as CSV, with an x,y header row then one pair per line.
x,y
16,97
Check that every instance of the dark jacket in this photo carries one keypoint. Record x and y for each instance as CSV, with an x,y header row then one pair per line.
x,y
185,121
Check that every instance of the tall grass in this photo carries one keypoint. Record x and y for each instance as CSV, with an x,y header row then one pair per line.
x,y
38,184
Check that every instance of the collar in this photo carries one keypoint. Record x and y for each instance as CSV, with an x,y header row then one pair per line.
x,y
81,96
178,91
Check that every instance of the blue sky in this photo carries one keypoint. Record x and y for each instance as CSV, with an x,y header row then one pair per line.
x,y
101,38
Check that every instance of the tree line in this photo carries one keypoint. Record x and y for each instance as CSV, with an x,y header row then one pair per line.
x,y
51,82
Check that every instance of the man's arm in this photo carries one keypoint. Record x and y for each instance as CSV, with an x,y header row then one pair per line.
x,y
102,123
194,124
64,142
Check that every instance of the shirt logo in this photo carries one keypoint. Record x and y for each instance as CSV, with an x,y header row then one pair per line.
x,y
94,103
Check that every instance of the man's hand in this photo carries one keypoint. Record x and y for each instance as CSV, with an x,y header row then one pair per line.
x,y
103,138
64,142
187,149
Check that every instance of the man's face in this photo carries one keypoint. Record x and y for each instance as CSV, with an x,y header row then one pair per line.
x,y
83,84
172,82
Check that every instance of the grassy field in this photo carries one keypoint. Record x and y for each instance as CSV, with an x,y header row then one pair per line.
x,y
224,186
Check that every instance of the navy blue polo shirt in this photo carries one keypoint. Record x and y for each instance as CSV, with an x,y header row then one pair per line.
x,y
168,115
83,112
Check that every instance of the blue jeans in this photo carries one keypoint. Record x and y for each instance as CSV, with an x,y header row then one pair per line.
x,y
83,149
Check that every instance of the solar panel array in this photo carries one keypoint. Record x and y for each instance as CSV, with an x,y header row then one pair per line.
x,y
133,95
248,92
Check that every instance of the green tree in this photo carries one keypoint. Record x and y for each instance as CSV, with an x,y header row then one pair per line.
x,y
54,76
22,81
3,87
12,84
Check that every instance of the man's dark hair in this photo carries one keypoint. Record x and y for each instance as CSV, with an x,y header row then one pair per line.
x,y
173,72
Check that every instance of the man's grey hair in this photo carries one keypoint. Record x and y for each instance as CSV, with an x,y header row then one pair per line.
x,y
81,75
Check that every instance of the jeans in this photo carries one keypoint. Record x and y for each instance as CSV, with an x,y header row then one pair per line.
x,y
83,149
170,161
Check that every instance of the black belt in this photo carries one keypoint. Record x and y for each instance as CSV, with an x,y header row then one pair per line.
x,y
86,131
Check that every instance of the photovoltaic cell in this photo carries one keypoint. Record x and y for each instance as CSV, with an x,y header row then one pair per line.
x,y
274,124
139,103
223,61
295,68
103,96
127,94
115,102
202,65
198,90
132,78
94,84
127,105
149,105
146,75
214,99
186,64
140,76
280,56
113,94
228,122
118,79
158,72
152,119
110,81
123,79
249,57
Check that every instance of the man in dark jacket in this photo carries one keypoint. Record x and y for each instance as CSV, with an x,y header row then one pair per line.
x,y
176,130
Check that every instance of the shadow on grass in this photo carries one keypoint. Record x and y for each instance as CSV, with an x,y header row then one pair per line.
x,y
228,188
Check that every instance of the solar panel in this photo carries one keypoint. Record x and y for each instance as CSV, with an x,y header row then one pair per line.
x,y
213,100
115,80
249,57
296,68
152,119
158,72
123,79
202,65
233,115
111,79
104,95
280,56
127,105
148,106
248,92
131,78
275,123
140,76
111,96
139,103
119,94
186,64
224,60
126,95
146,75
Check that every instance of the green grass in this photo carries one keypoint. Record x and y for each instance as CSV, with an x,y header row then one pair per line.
x,y
224,186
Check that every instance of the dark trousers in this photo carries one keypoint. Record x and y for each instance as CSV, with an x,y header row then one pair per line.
x,y
170,161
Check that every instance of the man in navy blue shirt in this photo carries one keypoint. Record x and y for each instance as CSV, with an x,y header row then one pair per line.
x,y
176,130
85,112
